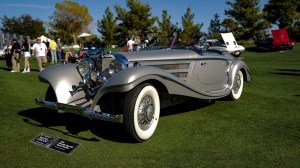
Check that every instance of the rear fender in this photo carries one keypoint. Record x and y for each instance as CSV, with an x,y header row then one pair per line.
x,y
235,67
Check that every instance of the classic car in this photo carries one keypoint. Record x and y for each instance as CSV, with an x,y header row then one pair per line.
x,y
2,53
279,40
230,45
90,51
132,87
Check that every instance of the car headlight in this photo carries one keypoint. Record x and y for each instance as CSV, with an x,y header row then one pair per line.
x,y
85,66
115,66
97,77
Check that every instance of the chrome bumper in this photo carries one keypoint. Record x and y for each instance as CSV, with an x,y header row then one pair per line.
x,y
87,112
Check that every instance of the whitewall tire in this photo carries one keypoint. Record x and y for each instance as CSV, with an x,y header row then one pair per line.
x,y
237,88
141,111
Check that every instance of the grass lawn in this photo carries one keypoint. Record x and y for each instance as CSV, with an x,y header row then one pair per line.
x,y
262,129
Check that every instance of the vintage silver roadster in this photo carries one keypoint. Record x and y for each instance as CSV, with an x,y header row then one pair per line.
x,y
132,87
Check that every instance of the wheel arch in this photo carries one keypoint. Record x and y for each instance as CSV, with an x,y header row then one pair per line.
x,y
159,86
246,74
153,80
239,65
61,77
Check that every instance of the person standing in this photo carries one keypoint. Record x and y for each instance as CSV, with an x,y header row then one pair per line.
x,y
130,44
59,49
144,45
15,49
46,42
26,51
53,46
40,50
7,51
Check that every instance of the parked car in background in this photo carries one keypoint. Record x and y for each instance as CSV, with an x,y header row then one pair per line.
x,y
279,40
66,47
2,54
86,52
132,87
228,44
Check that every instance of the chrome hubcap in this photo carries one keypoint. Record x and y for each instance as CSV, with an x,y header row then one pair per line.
x,y
237,84
146,112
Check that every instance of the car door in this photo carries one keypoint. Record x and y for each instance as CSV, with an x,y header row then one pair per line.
x,y
210,73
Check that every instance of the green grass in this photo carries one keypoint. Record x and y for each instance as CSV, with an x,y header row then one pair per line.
x,y
262,129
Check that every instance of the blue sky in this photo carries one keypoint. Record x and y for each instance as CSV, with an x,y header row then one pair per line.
x,y
42,9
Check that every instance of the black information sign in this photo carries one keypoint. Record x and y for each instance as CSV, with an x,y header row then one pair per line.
x,y
57,144
63,146
44,140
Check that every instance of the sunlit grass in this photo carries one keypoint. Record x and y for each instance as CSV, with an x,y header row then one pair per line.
x,y
259,130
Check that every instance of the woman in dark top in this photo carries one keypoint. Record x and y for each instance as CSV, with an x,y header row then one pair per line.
x,y
26,51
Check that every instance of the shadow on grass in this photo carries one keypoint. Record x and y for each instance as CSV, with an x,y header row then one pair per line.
x,y
287,72
74,124
35,70
9,69
6,69
255,50
185,107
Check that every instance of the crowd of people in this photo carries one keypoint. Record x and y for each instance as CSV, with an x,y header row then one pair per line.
x,y
135,44
14,51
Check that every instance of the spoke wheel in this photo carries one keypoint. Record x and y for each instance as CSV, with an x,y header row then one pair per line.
x,y
141,112
238,84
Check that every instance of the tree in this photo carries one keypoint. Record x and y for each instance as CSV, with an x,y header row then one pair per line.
x,y
214,28
11,25
23,25
165,27
229,25
70,19
248,17
107,27
137,21
281,12
294,29
190,30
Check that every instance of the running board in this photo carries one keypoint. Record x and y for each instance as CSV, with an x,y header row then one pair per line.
x,y
87,112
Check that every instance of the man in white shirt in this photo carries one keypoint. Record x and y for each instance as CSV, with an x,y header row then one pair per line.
x,y
40,51
130,44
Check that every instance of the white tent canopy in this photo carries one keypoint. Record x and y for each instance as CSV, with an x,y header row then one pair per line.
x,y
84,35
43,38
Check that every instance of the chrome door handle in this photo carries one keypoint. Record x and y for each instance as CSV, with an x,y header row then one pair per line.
x,y
203,63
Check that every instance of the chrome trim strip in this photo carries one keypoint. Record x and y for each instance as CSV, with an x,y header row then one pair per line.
x,y
87,112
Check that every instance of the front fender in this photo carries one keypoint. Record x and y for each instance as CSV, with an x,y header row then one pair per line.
x,y
61,77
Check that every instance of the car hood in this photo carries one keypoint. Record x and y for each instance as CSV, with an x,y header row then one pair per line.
x,y
236,48
230,42
281,37
166,54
